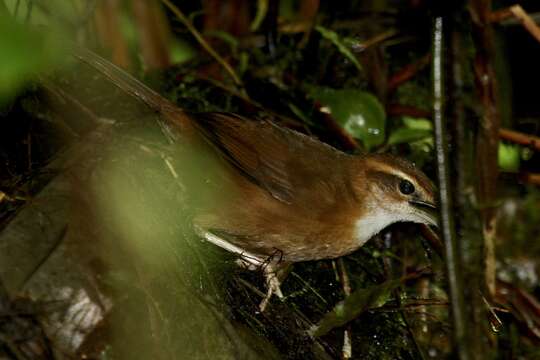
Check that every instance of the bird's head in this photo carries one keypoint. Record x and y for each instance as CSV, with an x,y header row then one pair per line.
x,y
393,190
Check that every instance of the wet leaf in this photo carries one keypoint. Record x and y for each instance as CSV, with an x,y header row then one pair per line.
x,y
358,112
340,44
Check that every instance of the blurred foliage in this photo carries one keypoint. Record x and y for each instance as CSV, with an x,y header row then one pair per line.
x,y
25,53
519,239
509,157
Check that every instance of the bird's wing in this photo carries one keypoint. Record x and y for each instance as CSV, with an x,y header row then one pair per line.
x,y
271,156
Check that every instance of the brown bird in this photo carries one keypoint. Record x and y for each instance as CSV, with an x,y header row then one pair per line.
x,y
289,197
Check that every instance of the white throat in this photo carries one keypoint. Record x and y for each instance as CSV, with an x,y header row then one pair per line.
x,y
371,225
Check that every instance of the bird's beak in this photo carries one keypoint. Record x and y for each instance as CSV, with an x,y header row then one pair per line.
x,y
427,210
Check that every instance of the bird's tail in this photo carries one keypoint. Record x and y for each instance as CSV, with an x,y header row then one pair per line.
x,y
132,86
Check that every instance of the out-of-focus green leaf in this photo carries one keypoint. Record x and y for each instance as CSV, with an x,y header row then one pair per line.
x,y
50,12
243,62
24,53
407,135
414,129
340,44
224,36
287,9
354,305
417,123
181,52
262,9
358,112
509,157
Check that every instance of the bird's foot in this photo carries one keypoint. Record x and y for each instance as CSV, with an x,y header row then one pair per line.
x,y
272,287
273,267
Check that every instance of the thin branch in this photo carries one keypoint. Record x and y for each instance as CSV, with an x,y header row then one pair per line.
x,y
407,110
408,72
531,178
487,139
377,39
517,12
346,352
520,138
347,141
197,35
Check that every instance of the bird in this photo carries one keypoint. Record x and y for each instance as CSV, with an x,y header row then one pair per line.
x,y
289,197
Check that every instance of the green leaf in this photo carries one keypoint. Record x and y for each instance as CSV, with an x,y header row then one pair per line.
x,y
509,157
181,51
414,130
354,305
25,52
407,135
333,37
358,112
262,9
417,123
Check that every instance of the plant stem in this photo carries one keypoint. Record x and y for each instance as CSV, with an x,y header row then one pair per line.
x,y
446,209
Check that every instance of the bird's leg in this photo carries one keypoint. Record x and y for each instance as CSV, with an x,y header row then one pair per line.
x,y
270,276
272,286
275,270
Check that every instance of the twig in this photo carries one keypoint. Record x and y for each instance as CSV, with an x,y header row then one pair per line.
x,y
433,239
520,15
346,140
346,352
520,138
408,72
487,139
357,48
407,110
531,178
187,23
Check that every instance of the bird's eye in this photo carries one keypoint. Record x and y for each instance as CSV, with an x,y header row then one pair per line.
x,y
406,187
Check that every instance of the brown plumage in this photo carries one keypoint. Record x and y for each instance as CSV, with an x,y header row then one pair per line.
x,y
293,194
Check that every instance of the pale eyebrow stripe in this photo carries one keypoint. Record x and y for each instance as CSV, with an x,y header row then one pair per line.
x,y
389,170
